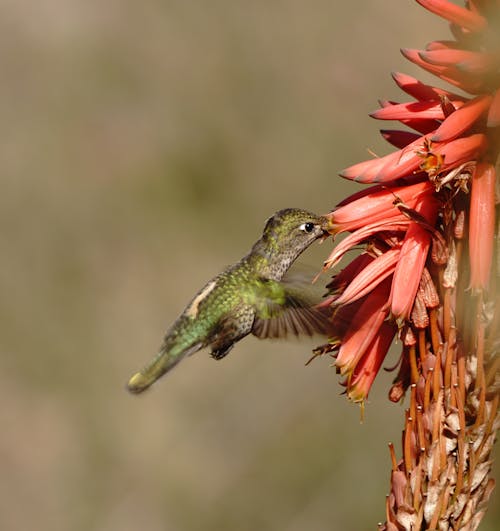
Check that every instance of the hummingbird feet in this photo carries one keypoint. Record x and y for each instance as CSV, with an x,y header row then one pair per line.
x,y
320,351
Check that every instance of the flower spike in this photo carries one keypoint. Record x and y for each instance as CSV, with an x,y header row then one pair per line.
x,y
426,272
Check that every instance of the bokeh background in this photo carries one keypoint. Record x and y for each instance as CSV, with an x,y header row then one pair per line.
x,y
143,145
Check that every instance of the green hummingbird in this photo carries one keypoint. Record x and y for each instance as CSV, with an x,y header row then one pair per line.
x,y
249,297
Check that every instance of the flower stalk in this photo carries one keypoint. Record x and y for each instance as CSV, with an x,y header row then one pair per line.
x,y
429,273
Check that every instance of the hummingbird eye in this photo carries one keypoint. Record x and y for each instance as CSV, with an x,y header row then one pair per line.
x,y
307,227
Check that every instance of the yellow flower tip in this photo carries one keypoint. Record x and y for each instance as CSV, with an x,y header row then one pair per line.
x,y
329,225
356,395
358,398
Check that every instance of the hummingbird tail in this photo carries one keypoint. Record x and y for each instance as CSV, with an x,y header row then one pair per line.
x,y
156,368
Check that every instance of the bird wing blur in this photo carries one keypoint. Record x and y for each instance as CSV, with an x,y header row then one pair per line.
x,y
293,314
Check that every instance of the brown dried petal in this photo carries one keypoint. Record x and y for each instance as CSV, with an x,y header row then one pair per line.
x,y
407,518
419,315
439,249
481,472
432,501
399,482
459,226
428,290
451,272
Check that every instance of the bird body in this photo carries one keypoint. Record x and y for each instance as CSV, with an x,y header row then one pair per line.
x,y
248,297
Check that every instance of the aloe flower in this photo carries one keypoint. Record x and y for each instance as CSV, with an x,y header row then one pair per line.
x,y
427,273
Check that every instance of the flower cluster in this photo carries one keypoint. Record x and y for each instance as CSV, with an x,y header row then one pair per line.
x,y
408,221
426,227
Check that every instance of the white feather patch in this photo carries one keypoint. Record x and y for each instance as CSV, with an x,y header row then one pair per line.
x,y
192,310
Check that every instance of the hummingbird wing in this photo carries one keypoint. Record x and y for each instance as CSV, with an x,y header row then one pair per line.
x,y
284,309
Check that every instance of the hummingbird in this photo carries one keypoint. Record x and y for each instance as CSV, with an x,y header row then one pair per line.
x,y
249,297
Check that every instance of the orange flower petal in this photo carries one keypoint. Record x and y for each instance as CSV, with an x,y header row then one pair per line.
x,y
422,126
420,91
455,14
365,325
462,150
408,271
396,224
422,110
343,278
376,205
451,74
441,45
359,194
370,277
465,60
403,162
482,225
462,119
364,171
367,368
398,164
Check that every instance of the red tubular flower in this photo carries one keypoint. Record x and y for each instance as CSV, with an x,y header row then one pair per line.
x,y
408,272
465,18
462,120
463,60
344,278
415,276
393,224
366,321
451,74
482,225
361,380
376,204
370,277
422,92
419,110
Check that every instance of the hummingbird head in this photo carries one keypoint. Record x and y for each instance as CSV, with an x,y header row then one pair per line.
x,y
293,227
286,234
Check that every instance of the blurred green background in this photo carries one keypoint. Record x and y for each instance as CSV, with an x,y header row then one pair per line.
x,y
143,146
